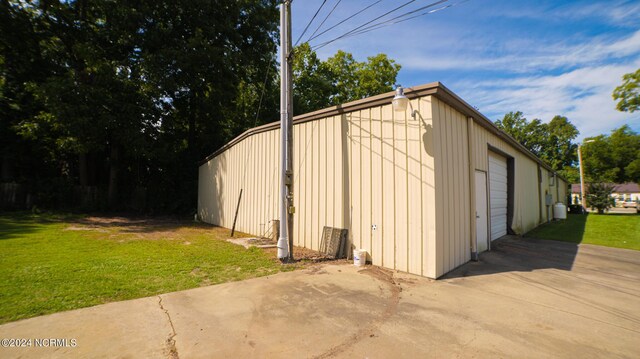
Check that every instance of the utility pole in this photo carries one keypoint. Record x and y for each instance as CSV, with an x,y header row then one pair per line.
x,y
581,177
285,240
583,199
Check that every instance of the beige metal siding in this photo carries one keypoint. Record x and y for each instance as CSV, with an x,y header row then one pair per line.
x,y
453,183
544,189
375,251
547,188
526,213
386,161
369,167
562,191
452,187
318,181
251,164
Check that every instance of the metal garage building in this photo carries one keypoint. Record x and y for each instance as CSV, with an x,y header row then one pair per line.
x,y
421,194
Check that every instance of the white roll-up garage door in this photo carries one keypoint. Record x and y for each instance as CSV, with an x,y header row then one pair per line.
x,y
498,195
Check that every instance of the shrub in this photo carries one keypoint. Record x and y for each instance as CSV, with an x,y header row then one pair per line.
x,y
599,196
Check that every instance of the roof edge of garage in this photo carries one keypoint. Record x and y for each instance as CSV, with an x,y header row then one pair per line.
x,y
434,88
448,96
382,99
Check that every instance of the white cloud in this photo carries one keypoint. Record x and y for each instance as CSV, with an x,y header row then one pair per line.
x,y
529,57
617,13
583,95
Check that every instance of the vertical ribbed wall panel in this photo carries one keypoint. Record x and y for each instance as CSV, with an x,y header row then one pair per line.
x,y
355,135
452,187
527,205
377,188
401,200
387,226
364,188
415,228
370,171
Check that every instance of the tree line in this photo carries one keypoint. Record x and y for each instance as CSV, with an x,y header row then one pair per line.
x,y
606,158
126,97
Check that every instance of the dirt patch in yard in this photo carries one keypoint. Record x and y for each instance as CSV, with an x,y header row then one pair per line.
x,y
122,228
147,228
306,255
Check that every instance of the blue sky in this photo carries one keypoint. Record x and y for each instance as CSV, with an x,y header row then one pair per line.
x,y
543,58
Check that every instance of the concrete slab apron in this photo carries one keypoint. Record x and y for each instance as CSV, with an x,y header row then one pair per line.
x,y
131,329
591,311
314,313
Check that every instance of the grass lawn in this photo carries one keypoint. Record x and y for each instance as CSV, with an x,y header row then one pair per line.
x,y
52,263
612,230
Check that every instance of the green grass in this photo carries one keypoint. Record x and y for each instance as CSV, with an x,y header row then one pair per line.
x,y
611,230
54,263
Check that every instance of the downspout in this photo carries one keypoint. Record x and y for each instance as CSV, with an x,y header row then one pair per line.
x,y
472,189
539,195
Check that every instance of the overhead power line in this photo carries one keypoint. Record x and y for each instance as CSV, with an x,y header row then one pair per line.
x,y
369,22
398,19
325,18
309,23
403,18
344,20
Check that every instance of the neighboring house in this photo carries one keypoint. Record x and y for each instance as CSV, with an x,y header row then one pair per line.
x,y
624,192
422,195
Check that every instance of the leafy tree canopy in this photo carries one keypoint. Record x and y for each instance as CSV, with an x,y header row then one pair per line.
x,y
552,142
319,84
130,95
613,158
628,94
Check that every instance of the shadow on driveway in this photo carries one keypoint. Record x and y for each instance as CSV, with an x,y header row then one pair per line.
x,y
517,254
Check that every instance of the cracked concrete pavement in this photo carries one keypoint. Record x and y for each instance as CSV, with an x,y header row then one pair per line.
x,y
526,298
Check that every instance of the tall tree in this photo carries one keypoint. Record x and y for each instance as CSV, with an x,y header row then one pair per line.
x,y
312,81
139,90
210,61
340,79
628,94
21,63
613,158
531,135
343,74
94,100
559,151
375,76
552,142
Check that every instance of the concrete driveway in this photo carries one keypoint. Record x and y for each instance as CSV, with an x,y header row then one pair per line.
x,y
526,298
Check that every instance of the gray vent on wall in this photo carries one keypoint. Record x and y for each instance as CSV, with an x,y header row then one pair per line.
x,y
334,242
